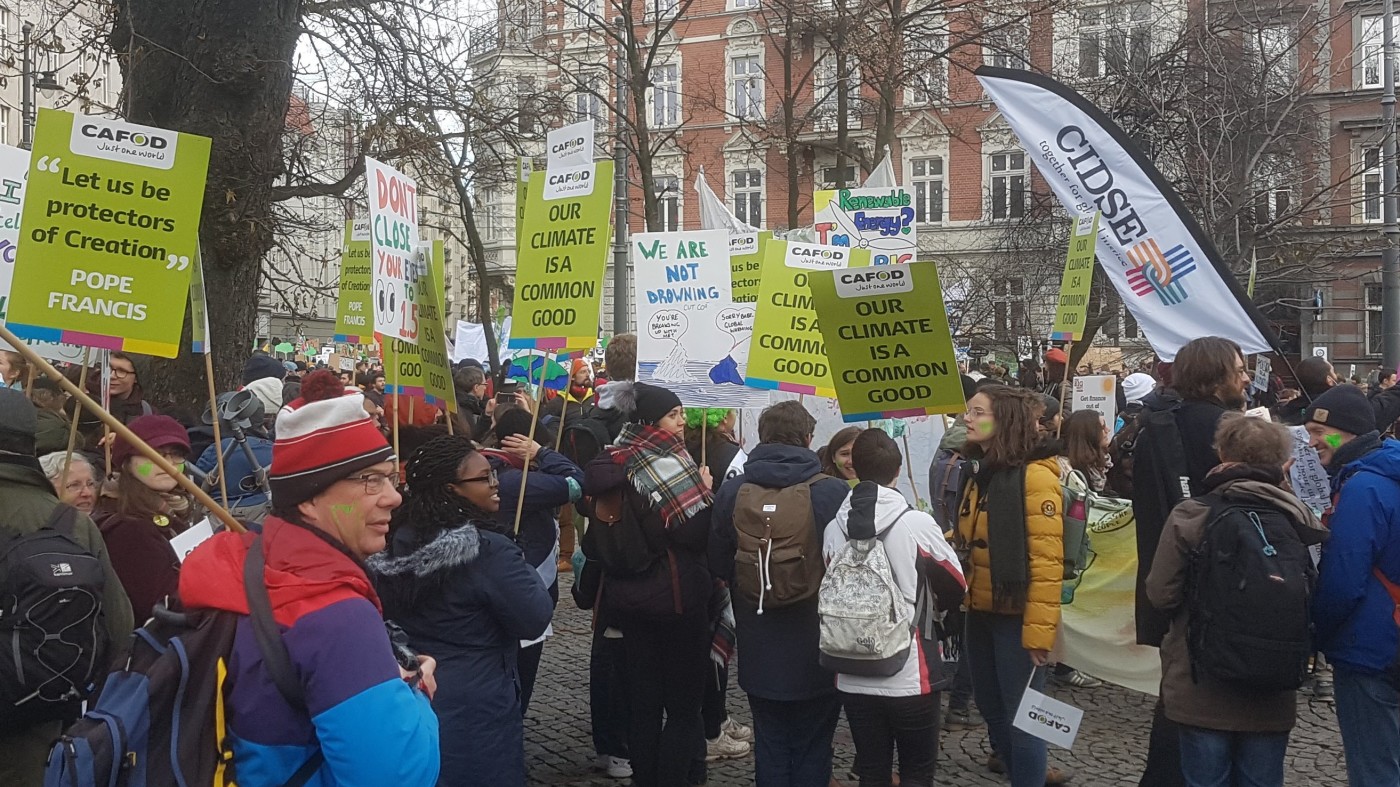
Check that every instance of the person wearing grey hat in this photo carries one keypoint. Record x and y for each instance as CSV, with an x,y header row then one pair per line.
x,y
28,505
1356,596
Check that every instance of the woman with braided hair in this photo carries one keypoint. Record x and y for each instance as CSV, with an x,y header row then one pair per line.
x,y
457,583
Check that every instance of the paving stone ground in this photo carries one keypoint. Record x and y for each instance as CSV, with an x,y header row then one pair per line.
x,y
1110,750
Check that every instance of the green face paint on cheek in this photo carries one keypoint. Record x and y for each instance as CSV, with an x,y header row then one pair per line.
x,y
345,514
1334,440
145,468
985,427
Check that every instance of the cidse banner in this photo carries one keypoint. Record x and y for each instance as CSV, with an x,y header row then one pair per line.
x,y
1163,265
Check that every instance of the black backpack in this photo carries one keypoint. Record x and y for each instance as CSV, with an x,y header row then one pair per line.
x,y
53,636
160,718
1249,588
584,438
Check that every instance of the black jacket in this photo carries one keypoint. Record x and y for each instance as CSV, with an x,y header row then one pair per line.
x,y
1156,490
780,656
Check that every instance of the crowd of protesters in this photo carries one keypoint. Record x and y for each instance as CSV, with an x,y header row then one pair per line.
x,y
694,556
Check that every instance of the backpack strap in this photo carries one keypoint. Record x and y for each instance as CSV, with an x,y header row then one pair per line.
x,y
63,519
274,651
880,535
1391,588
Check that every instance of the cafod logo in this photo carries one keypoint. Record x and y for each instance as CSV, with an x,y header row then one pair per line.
x,y
123,142
864,282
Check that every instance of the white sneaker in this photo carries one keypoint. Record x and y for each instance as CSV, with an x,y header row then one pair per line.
x,y
725,748
736,730
614,767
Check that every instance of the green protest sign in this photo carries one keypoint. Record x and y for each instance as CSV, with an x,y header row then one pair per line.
x,y
352,310
788,352
1073,307
888,341
560,266
746,252
424,370
110,231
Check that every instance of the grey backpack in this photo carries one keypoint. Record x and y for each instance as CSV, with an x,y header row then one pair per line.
x,y
866,627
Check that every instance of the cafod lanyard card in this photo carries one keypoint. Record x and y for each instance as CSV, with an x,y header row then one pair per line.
x,y
111,231
1073,307
787,351
1048,719
560,267
887,341
353,311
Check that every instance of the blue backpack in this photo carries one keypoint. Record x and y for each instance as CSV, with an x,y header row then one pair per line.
x,y
159,720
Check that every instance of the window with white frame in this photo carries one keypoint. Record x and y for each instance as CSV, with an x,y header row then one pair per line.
x,y
748,196
1274,198
1375,330
1008,308
743,5
4,125
1115,38
927,179
1007,186
828,81
929,78
585,11
1007,44
1370,52
7,45
658,10
668,196
587,104
1274,55
746,73
665,95
1371,184
838,177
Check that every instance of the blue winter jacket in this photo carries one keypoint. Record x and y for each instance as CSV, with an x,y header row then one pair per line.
x,y
1352,612
554,481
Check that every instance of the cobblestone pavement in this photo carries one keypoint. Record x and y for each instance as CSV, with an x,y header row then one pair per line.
x,y
1109,752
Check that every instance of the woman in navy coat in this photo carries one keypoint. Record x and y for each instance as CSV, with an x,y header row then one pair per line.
x,y
462,590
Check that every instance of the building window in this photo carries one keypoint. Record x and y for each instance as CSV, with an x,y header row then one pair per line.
x,y
665,95
1375,332
587,104
1007,46
928,80
748,196
838,177
1114,39
1372,42
1273,54
1008,185
658,10
928,190
668,195
747,73
1371,184
741,5
585,11
1275,197
827,82
7,44
4,125
1008,308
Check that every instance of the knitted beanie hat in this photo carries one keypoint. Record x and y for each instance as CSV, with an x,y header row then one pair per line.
x,y
1343,407
654,402
322,437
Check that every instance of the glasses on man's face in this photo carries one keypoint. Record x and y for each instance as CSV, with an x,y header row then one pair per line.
x,y
117,371
490,479
374,482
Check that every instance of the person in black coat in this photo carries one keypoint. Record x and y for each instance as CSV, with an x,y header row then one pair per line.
x,y
553,481
454,579
793,698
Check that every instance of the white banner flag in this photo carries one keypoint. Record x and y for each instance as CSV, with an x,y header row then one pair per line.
x,y
1163,265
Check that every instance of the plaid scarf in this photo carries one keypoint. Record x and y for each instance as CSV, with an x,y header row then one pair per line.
x,y
661,469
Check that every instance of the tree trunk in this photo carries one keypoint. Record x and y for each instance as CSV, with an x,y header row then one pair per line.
x,y
221,69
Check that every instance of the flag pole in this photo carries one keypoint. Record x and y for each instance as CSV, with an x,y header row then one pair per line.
x,y
534,420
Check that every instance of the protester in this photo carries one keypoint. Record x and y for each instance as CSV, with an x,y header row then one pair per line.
x,y
898,711
720,451
28,504
242,472
792,697
49,399
1086,443
473,406
127,396
835,456
661,600
464,593
79,487
1315,376
616,400
333,486
14,370
1230,733
1010,521
1053,381
1137,391
577,399
148,510
553,481
1357,594
262,376
1208,378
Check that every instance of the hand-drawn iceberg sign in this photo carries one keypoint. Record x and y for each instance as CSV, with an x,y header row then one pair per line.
x,y
738,323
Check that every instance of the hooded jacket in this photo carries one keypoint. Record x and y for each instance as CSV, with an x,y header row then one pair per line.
x,y
1353,615
617,403
554,481
780,646
1044,553
1211,704
920,558
372,727
467,598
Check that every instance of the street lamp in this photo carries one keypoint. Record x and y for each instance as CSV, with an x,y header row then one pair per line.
x,y
47,83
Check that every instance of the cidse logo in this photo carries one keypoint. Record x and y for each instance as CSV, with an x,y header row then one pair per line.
x,y
135,139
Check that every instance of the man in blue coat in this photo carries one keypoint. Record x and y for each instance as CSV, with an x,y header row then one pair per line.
x,y
793,698
1355,603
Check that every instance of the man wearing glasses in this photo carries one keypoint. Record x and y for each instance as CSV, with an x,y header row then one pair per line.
x,y
334,486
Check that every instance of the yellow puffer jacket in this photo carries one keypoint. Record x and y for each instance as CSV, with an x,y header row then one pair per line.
x,y
1044,547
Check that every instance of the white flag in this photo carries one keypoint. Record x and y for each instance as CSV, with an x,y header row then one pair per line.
x,y
1163,265
714,215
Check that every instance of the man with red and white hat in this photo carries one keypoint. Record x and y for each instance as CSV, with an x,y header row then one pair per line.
x,y
333,483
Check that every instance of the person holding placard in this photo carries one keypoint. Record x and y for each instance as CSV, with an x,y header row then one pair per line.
x,y
1011,522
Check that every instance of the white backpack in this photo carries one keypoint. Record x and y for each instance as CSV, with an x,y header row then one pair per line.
x,y
866,628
